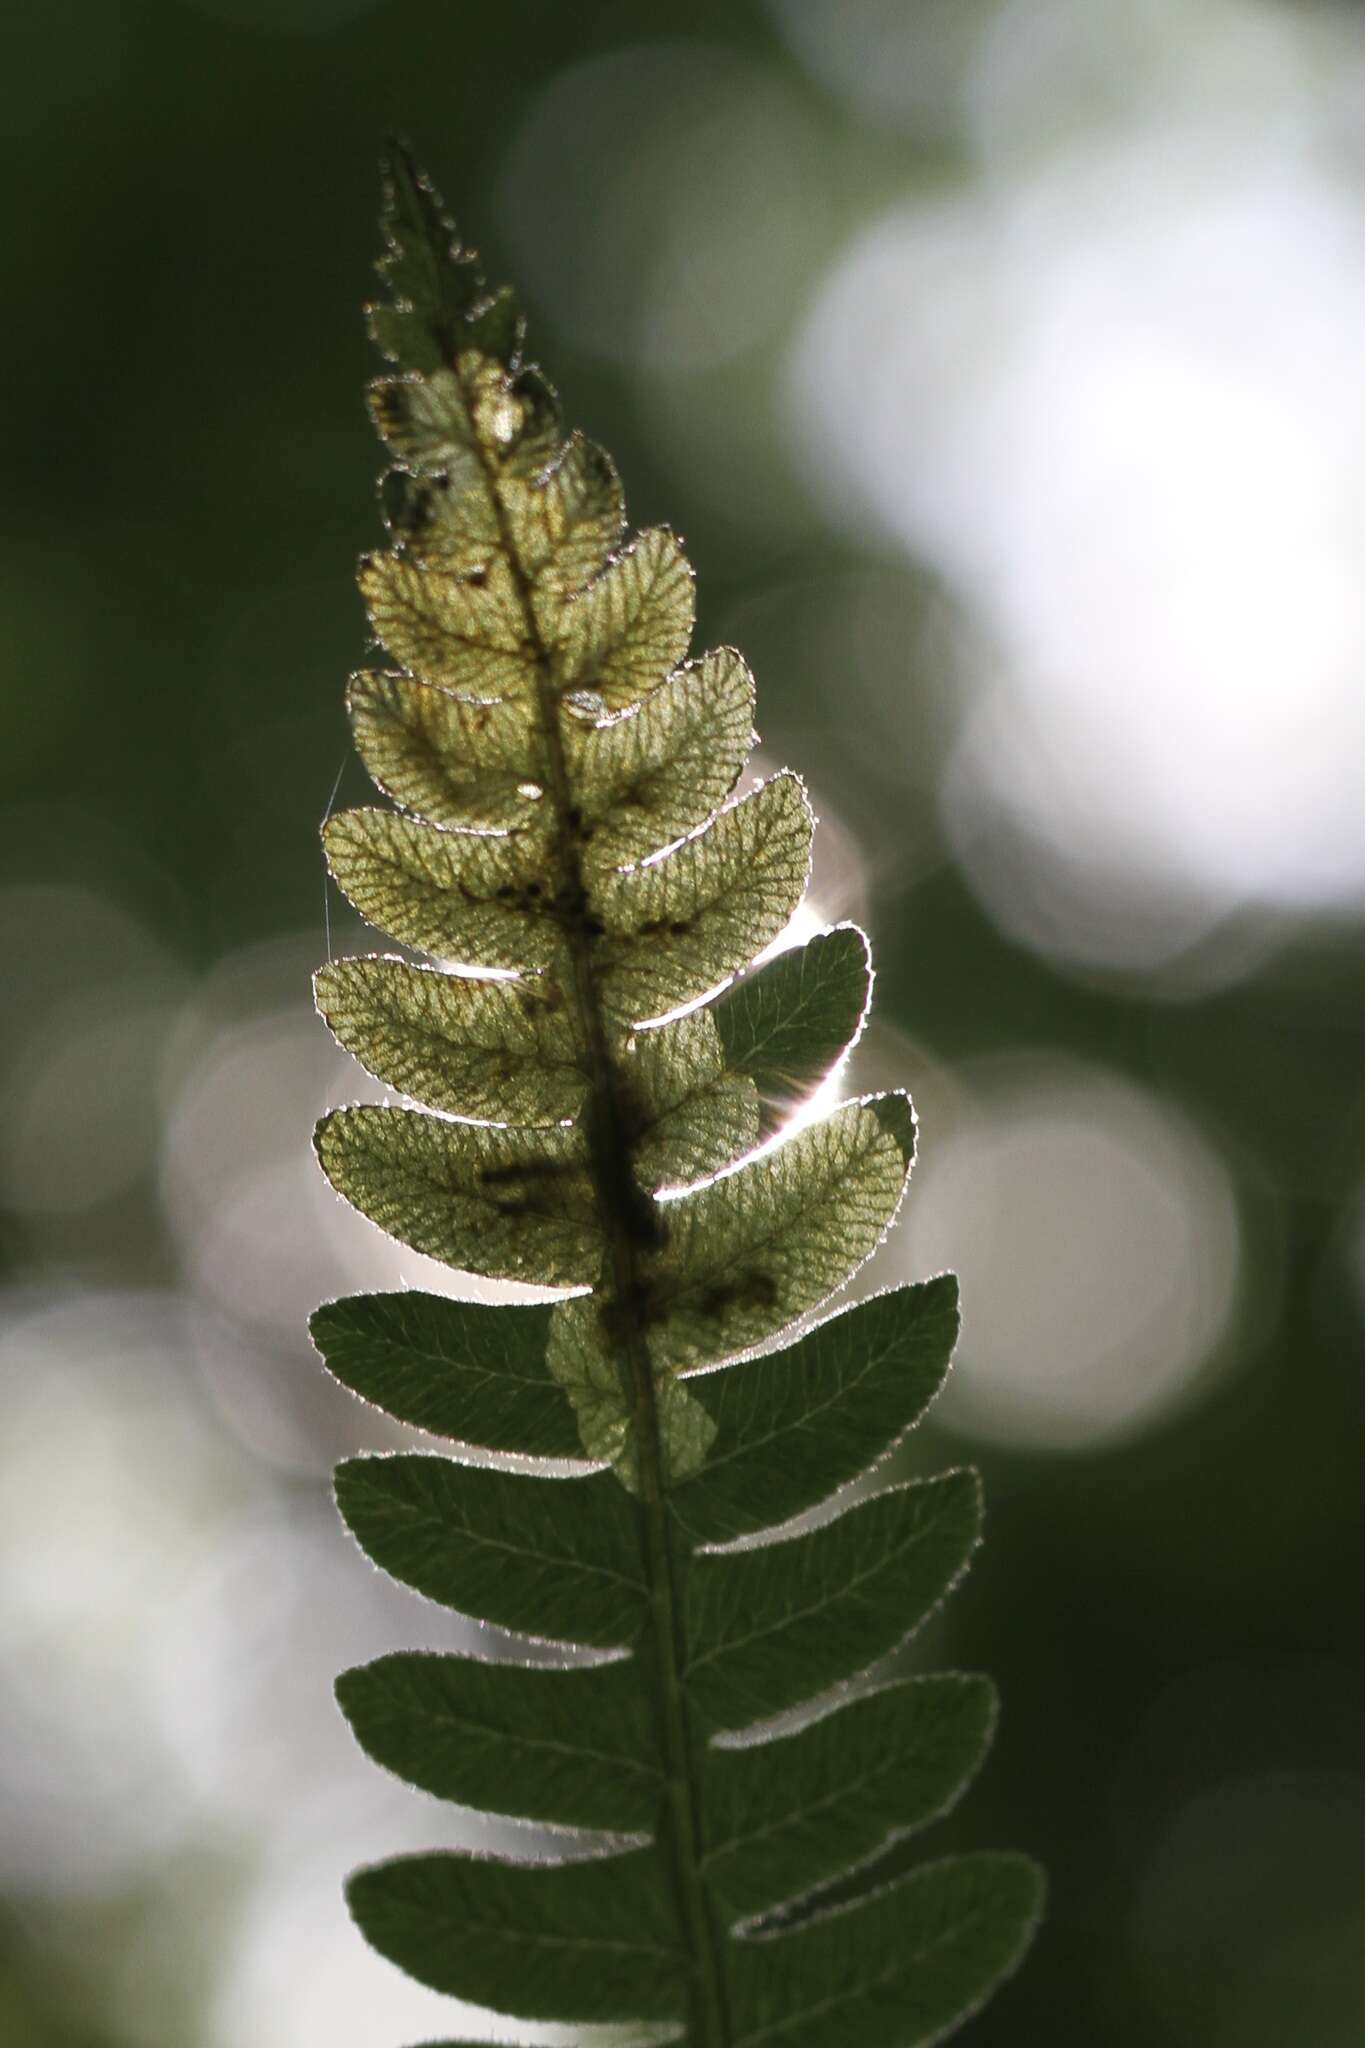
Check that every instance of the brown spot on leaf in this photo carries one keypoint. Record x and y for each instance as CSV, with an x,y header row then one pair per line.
x,y
753,1290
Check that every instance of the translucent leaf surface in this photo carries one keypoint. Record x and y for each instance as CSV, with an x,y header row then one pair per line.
x,y
564,524
499,1051
630,626
681,925
453,760
481,899
650,775
694,1115
464,631
584,1355
758,1247
508,1205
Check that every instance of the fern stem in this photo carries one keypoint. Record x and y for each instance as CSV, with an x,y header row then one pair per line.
x,y
628,1219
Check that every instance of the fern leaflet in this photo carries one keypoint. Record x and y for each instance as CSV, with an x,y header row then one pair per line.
x,y
607,1069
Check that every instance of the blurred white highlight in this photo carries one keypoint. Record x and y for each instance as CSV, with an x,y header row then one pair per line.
x,y
112,1483
1111,391
1098,1243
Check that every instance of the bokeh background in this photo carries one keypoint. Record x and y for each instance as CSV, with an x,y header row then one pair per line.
x,y
999,360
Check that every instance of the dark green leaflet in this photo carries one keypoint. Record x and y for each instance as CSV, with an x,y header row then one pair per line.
x,y
568,838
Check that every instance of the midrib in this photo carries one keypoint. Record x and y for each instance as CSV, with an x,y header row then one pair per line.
x,y
619,1203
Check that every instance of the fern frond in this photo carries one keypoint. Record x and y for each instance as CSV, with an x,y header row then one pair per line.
x,y
606,1080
